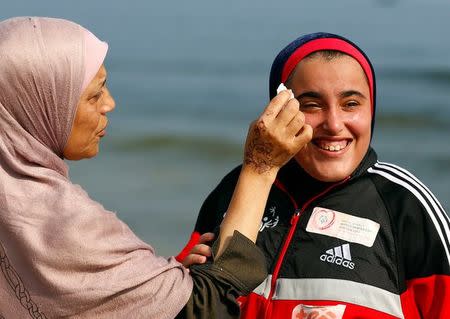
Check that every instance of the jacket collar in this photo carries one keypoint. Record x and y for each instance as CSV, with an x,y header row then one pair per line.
x,y
301,186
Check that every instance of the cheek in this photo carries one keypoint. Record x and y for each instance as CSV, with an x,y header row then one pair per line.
x,y
88,122
361,124
83,133
312,120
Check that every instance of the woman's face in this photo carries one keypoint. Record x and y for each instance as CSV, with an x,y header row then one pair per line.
x,y
334,95
90,121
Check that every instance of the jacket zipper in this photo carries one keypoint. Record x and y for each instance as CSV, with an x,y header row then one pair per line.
x,y
294,221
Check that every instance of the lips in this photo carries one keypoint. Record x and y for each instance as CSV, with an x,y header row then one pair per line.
x,y
102,132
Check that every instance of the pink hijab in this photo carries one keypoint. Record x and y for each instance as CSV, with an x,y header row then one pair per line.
x,y
61,253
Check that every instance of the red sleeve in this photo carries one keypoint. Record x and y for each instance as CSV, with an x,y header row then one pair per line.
x,y
427,298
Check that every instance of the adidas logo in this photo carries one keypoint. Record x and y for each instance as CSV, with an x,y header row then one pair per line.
x,y
339,255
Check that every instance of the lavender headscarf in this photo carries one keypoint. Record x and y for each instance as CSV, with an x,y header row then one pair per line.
x,y
61,253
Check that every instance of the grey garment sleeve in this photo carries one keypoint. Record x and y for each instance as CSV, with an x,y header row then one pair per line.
x,y
217,284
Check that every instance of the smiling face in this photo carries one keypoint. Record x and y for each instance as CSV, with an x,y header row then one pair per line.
x,y
334,95
90,121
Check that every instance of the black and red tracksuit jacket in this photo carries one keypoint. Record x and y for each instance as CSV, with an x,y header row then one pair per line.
x,y
403,273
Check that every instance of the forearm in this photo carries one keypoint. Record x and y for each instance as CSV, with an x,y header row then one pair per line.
x,y
247,205
274,138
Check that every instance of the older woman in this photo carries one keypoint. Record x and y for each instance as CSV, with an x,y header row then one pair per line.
x,y
345,236
61,253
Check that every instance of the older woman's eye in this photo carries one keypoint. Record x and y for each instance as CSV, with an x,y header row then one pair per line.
x,y
95,97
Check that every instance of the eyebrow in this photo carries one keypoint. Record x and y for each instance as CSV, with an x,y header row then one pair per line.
x,y
351,93
317,95
102,83
312,94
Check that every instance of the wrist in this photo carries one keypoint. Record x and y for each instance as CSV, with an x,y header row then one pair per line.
x,y
267,175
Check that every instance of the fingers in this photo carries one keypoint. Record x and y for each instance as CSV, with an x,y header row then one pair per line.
x,y
277,103
296,124
288,113
291,121
193,259
200,252
205,238
201,249
198,255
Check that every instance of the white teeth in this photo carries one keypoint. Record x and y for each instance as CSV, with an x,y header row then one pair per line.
x,y
333,148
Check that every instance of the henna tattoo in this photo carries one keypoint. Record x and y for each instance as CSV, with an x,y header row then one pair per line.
x,y
268,113
18,287
257,152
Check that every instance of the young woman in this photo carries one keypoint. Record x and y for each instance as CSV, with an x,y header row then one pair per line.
x,y
345,236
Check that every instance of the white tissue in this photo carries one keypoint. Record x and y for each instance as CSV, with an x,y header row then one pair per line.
x,y
282,87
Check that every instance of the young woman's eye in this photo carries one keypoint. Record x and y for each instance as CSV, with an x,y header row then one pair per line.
x,y
308,105
351,104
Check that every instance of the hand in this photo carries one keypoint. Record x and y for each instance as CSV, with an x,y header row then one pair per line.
x,y
277,135
200,252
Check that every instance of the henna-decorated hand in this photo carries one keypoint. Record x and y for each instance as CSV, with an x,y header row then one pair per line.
x,y
277,135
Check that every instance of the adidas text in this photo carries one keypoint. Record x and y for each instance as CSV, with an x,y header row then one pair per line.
x,y
338,261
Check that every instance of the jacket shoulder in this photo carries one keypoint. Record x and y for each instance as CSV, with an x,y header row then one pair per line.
x,y
421,225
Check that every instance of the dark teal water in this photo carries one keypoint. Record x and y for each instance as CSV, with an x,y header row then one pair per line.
x,y
188,77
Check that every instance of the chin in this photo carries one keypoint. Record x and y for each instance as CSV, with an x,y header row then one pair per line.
x,y
330,178
83,155
328,170
330,173
92,153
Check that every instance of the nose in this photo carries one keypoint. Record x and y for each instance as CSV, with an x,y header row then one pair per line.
x,y
108,102
333,122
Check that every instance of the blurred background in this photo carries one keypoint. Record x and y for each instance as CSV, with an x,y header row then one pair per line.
x,y
189,76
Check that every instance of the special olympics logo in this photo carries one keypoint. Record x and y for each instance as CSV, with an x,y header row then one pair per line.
x,y
323,218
